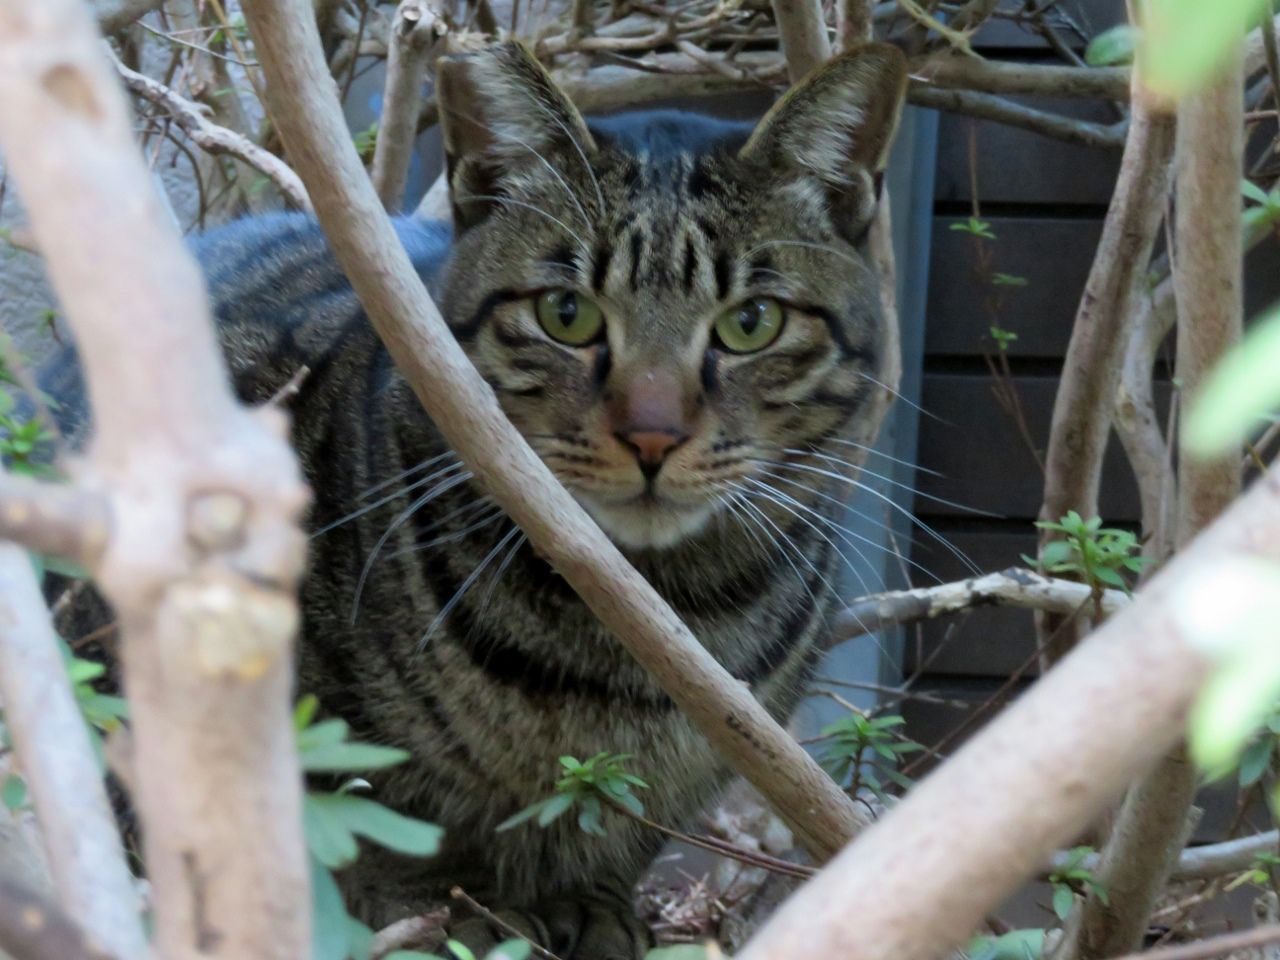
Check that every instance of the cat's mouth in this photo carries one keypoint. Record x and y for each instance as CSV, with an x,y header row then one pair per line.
x,y
648,520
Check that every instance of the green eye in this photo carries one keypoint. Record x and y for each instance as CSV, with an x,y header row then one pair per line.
x,y
569,317
750,326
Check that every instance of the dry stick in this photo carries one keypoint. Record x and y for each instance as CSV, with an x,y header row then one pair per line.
x,y
999,110
31,929
971,832
114,15
307,114
994,76
803,30
1199,863
972,15
212,138
62,521
488,915
1151,826
853,23
1225,945
78,828
1014,587
415,30
204,551
1091,371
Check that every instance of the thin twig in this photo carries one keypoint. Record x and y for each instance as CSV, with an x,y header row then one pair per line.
x,y
213,138
1213,947
490,917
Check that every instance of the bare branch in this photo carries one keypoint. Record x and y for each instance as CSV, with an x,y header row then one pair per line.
x,y
54,519
78,828
1197,863
459,401
995,76
987,107
804,36
1113,292
971,832
972,15
853,22
213,138
31,929
415,30
114,15
204,551
1227,945
1014,587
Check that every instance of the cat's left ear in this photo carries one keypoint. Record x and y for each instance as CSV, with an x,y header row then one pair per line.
x,y
837,126
500,115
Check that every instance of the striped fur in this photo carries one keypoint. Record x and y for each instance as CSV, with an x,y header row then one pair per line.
x,y
665,220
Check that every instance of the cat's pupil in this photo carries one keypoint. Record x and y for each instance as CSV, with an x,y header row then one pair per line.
x,y
750,315
567,309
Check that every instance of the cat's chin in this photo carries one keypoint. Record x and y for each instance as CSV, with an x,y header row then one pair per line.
x,y
645,524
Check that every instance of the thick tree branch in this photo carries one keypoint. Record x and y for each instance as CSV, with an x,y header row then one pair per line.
x,y
1207,277
204,550
31,929
55,519
1014,587
1095,355
415,30
853,22
214,139
307,114
78,828
803,29
926,873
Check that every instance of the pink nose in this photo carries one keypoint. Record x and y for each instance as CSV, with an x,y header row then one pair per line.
x,y
651,446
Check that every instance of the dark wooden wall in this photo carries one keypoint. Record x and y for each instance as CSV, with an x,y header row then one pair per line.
x,y
1045,202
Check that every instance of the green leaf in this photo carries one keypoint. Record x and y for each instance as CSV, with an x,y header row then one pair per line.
x,y
1241,389
329,838
383,826
330,931
411,955
683,951
14,792
1254,192
305,711
1254,761
1014,945
1185,41
510,950
1063,900
1111,47
460,950
1009,280
589,817
323,734
553,808
349,757
1236,700
528,813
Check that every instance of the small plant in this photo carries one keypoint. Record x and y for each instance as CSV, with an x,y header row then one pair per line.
x,y
586,785
1073,879
1260,873
1259,755
863,751
333,820
1112,47
1002,338
975,226
366,140
1015,945
1009,280
1098,555
1264,213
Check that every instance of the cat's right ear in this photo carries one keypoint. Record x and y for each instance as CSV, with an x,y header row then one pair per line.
x,y
501,115
835,127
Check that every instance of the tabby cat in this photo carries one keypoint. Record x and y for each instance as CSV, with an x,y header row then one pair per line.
x,y
678,313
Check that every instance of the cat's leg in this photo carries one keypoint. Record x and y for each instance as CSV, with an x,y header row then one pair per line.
x,y
591,925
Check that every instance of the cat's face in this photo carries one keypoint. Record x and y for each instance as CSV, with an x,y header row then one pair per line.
x,y
664,304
